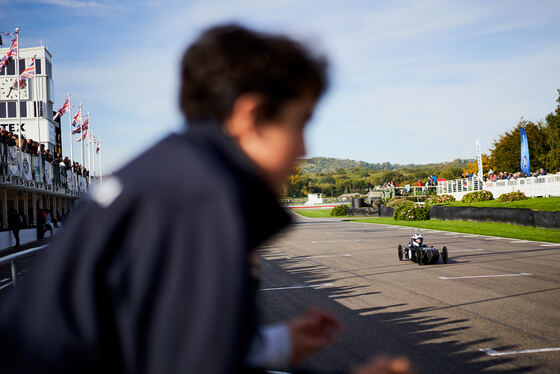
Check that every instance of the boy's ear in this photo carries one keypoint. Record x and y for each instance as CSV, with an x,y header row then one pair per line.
x,y
243,115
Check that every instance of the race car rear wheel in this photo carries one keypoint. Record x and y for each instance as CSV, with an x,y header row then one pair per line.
x,y
400,252
444,255
420,257
428,257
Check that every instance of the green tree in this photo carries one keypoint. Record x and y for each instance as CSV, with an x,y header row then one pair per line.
x,y
552,131
506,153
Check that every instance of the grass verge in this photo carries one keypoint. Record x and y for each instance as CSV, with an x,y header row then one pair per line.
x,y
315,213
480,228
551,204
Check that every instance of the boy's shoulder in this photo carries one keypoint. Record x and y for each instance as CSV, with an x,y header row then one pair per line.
x,y
177,166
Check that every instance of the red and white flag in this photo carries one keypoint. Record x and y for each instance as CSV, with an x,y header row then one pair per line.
x,y
12,52
81,128
29,72
65,108
77,118
82,137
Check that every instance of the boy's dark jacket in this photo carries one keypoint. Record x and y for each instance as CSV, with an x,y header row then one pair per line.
x,y
156,282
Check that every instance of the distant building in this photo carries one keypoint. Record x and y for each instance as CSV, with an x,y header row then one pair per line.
x,y
314,199
36,99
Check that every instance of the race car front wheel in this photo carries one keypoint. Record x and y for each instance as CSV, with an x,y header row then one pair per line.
x,y
444,255
400,252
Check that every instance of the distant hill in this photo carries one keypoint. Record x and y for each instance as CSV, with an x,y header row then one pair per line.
x,y
328,164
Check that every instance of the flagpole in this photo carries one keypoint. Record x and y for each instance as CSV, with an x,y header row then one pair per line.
x,y
82,141
89,152
70,129
100,169
37,102
18,108
93,152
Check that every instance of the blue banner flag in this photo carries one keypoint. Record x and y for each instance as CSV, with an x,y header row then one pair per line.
x,y
525,164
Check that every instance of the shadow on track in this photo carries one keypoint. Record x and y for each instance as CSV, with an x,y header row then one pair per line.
x,y
435,344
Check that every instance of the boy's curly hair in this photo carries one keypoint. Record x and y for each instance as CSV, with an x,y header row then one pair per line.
x,y
230,60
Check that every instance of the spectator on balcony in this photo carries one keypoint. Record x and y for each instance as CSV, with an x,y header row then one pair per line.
x,y
28,146
67,163
541,172
57,158
49,156
11,139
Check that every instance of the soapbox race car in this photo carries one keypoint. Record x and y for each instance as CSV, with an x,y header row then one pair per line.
x,y
417,251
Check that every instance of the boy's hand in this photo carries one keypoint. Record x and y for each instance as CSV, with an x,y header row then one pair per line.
x,y
385,365
311,332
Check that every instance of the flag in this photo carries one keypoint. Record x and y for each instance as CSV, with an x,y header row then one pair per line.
x,y
479,161
82,137
65,108
22,83
98,146
29,72
525,163
77,118
4,62
12,52
81,128
13,48
91,139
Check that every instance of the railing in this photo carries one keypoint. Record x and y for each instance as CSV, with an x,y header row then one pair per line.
x,y
11,259
546,185
459,185
34,172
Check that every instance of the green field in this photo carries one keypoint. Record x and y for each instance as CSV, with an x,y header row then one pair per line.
x,y
315,213
537,203
481,228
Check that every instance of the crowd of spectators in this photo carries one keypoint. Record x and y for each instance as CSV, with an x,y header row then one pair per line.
x,y
503,175
34,148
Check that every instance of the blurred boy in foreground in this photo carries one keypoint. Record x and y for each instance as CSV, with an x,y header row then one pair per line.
x,y
163,280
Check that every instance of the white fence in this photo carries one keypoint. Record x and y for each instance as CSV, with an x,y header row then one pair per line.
x,y
546,185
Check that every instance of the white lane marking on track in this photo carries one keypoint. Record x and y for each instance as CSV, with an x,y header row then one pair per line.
x,y
450,234
491,352
334,241
467,250
296,287
519,241
488,276
550,245
319,256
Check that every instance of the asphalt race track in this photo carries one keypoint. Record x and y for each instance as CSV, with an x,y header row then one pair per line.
x,y
495,294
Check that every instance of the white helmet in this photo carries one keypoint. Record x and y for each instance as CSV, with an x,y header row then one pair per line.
x,y
417,240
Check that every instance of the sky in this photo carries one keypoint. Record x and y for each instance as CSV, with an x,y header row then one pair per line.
x,y
411,81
